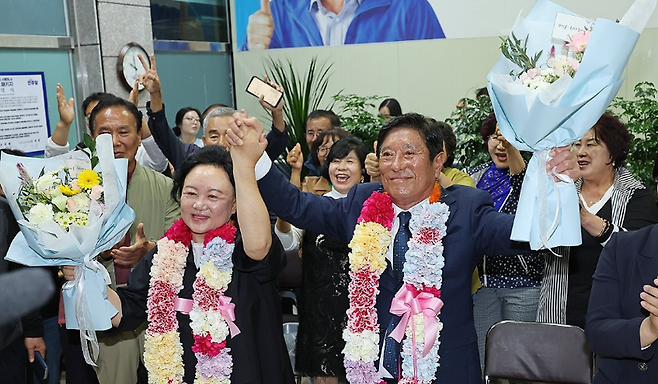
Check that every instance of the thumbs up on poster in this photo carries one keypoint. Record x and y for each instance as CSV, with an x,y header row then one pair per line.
x,y
260,27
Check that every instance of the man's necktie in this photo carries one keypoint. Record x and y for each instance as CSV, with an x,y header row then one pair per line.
x,y
400,247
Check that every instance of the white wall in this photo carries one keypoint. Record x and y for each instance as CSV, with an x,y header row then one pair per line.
x,y
430,76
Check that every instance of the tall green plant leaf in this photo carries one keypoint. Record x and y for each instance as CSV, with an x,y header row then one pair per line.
x,y
303,94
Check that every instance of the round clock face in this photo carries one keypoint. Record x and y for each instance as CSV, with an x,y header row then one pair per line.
x,y
129,65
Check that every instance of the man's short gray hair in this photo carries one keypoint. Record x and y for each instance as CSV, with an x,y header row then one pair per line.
x,y
217,112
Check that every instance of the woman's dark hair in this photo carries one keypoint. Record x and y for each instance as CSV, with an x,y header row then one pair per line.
x,y
115,102
433,137
488,127
611,131
179,118
341,149
213,155
448,138
392,105
335,133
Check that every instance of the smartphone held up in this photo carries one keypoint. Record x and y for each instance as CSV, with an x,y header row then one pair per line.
x,y
258,88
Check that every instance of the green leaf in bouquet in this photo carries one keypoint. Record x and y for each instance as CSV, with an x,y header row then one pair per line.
x,y
91,146
516,51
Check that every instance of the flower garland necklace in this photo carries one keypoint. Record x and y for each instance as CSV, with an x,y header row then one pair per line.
x,y
211,313
421,290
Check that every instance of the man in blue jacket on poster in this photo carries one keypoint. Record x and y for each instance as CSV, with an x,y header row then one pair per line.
x,y
303,23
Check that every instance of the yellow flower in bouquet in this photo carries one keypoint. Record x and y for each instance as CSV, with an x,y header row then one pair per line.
x,y
68,191
88,179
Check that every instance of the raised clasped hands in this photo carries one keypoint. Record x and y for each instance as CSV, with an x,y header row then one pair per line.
x,y
246,139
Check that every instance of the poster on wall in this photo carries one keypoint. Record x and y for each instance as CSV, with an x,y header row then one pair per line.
x,y
23,112
268,24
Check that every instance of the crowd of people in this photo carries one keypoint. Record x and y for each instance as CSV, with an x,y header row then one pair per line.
x,y
202,230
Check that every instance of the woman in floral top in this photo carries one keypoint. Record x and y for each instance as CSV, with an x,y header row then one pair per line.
x,y
510,285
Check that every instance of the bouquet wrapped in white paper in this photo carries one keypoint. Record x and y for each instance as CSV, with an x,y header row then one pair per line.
x,y
68,213
552,97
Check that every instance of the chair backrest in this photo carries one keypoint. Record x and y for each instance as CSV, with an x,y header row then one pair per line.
x,y
541,352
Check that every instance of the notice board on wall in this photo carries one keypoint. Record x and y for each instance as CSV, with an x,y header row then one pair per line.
x,y
23,112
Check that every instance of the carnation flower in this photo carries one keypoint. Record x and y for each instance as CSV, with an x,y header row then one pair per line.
x,y
46,182
362,346
40,213
81,202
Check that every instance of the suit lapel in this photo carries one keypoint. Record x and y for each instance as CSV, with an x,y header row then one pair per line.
x,y
448,198
647,259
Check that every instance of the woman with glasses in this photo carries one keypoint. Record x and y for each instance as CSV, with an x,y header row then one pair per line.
x,y
510,285
188,123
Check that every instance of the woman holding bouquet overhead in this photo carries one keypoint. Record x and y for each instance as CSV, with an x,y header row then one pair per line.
x,y
611,200
208,292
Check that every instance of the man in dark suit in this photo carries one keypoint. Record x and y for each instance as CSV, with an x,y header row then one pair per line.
x,y
411,158
622,318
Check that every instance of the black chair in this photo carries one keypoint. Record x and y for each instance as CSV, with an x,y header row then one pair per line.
x,y
290,283
549,353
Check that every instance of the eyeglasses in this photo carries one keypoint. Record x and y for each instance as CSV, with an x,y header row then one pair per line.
x,y
323,150
193,119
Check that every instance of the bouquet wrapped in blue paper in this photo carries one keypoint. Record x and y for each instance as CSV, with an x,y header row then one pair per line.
x,y
557,74
68,213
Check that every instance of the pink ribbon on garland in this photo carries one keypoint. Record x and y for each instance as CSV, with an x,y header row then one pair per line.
x,y
183,306
227,310
409,301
